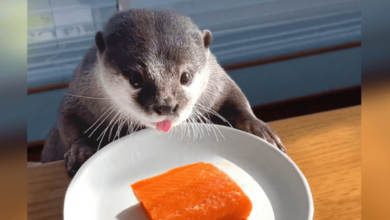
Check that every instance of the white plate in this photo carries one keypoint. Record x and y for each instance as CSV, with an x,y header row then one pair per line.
x,y
101,188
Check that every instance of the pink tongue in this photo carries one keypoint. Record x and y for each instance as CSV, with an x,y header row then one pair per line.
x,y
164,126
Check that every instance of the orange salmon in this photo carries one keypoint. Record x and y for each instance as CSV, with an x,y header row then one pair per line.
x,y
197,191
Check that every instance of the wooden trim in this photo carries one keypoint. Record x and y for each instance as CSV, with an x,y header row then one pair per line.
x,y
34,150
34,144
33,164
291,56
310,104
231,66
48,87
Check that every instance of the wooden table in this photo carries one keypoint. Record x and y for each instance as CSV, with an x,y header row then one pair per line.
x,y
325,146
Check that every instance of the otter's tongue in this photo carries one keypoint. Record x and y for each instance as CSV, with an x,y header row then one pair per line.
x,y
164,126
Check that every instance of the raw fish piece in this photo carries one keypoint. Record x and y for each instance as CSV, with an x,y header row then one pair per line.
x,y
197,191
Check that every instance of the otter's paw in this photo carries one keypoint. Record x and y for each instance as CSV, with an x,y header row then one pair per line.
x,y
264,131
76,157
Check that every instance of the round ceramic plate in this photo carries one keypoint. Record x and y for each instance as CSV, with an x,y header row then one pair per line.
x,y
101,188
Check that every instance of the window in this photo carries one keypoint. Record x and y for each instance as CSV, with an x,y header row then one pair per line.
x,y
59,35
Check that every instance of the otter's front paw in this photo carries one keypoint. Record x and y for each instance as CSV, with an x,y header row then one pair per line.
x,y
76,157
264,131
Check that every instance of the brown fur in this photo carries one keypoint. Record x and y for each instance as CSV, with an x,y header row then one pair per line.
x,y
159,46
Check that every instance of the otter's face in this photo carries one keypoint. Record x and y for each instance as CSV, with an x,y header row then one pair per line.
x,y
154,71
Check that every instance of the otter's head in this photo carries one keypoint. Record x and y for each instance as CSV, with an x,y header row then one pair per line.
x,y
152,64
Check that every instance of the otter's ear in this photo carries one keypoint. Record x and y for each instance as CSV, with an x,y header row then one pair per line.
x,y
100,41
207,38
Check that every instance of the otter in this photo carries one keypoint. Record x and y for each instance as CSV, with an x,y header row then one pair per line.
x,y
147,69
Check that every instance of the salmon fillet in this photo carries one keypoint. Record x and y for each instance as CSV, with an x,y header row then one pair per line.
x,y
197,191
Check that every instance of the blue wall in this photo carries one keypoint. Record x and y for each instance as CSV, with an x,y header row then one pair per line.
x,y
301,77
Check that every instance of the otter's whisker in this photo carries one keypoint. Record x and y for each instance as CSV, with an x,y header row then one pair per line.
x,y
212,126
117,117
207,125
192,126
198,126
128,126
196,114
200,119
119,129
100,142
208,122
121,126
214,113
188,131
105,112
105,130
181,130
102,135
86,97
112,109
136,150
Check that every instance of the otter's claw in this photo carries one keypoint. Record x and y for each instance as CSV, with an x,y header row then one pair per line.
x,y
76,157
265,132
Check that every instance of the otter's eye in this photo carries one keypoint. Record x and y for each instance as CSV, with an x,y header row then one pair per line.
x,y
185,78
136,80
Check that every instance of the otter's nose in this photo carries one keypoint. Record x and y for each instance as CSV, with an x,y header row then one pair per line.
x,y
166,109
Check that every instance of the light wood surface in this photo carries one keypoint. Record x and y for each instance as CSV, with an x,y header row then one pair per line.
x,y
325,146
47,184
